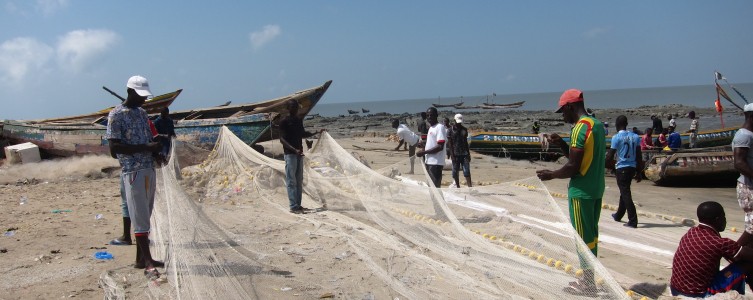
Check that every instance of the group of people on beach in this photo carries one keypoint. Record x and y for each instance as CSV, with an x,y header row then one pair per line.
x,y
668,138
139,147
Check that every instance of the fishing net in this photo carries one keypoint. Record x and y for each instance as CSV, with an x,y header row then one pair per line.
x,y
376,234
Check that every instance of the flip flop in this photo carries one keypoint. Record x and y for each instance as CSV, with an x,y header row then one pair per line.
x,y
118,242
156,264
151,273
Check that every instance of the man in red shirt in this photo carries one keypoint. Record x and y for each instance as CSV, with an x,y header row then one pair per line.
x,y
695,267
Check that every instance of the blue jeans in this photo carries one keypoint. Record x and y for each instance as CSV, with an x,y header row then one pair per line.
x,y
461,161
294,179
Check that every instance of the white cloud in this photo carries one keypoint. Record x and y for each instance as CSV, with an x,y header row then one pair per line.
x,y
266,35
77,49
595,32
49,7
20,56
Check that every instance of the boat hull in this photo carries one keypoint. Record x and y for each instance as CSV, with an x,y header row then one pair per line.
x,y
203,133
528,146
692,168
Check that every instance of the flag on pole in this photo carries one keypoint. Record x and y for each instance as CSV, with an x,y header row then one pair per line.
x,y
719,76
720,91
718,105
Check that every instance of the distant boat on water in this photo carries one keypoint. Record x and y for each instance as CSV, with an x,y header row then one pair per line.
x,y
352,112
502,105
364,110
447,105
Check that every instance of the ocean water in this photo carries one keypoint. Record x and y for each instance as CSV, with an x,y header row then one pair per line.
x,y
697,95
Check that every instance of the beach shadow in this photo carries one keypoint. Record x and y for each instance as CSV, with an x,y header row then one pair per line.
x,y
650,290
655,225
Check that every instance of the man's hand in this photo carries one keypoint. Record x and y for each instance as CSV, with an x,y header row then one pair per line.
x,y
545,175
638,176
468,158
299,152
420,153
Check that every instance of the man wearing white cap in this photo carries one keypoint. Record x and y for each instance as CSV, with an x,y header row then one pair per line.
x,y
130,140
461,155
741,144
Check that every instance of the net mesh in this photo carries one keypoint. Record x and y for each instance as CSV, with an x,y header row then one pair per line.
x,y
377,234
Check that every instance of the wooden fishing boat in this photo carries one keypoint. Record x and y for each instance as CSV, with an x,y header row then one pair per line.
x,y
363,110
692,167
352,112
74,135
528,146
251,122
502,105
152,106
447,105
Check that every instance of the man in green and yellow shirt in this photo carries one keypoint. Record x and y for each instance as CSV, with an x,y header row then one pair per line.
x,y
585,168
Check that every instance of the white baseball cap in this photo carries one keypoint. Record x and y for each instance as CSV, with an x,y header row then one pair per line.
x,y
140,85
458,118
748,107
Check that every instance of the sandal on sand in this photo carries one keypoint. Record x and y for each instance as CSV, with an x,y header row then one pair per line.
x,y
118,242
156,264
151,273
581,289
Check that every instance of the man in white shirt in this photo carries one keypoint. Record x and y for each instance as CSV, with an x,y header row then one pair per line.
x,y
672,122
693,129
434,148
409,137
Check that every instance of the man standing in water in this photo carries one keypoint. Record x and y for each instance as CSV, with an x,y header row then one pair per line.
x,y
130,139
585,168
434,148
292,135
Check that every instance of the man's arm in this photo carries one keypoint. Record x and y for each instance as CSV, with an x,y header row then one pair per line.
x,y
741,161
610,162
399,144
118,147
286,144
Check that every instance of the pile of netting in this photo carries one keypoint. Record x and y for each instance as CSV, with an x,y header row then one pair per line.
x,y
376,234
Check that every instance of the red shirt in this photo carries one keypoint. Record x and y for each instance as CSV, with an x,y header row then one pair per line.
x,y
697,258
646,142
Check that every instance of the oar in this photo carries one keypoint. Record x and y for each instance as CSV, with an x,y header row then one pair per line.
x,y
113,93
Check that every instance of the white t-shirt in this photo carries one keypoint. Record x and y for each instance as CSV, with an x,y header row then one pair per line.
x,y
433,138
744,139
406,135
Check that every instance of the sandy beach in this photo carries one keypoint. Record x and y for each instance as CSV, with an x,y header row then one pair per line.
x,y
71,210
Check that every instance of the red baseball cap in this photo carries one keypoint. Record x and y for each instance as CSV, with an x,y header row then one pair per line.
x,y
570,96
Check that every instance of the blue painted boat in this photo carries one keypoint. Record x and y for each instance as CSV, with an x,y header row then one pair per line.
x,y
528,146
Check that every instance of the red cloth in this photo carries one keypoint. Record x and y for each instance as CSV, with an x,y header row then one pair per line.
x,y
697,259
153,128
662,140
647,142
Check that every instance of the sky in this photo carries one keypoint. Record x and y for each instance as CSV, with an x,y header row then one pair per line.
x,y
56,55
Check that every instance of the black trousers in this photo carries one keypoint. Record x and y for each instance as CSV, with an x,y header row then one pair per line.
x,y
624,178
435,173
